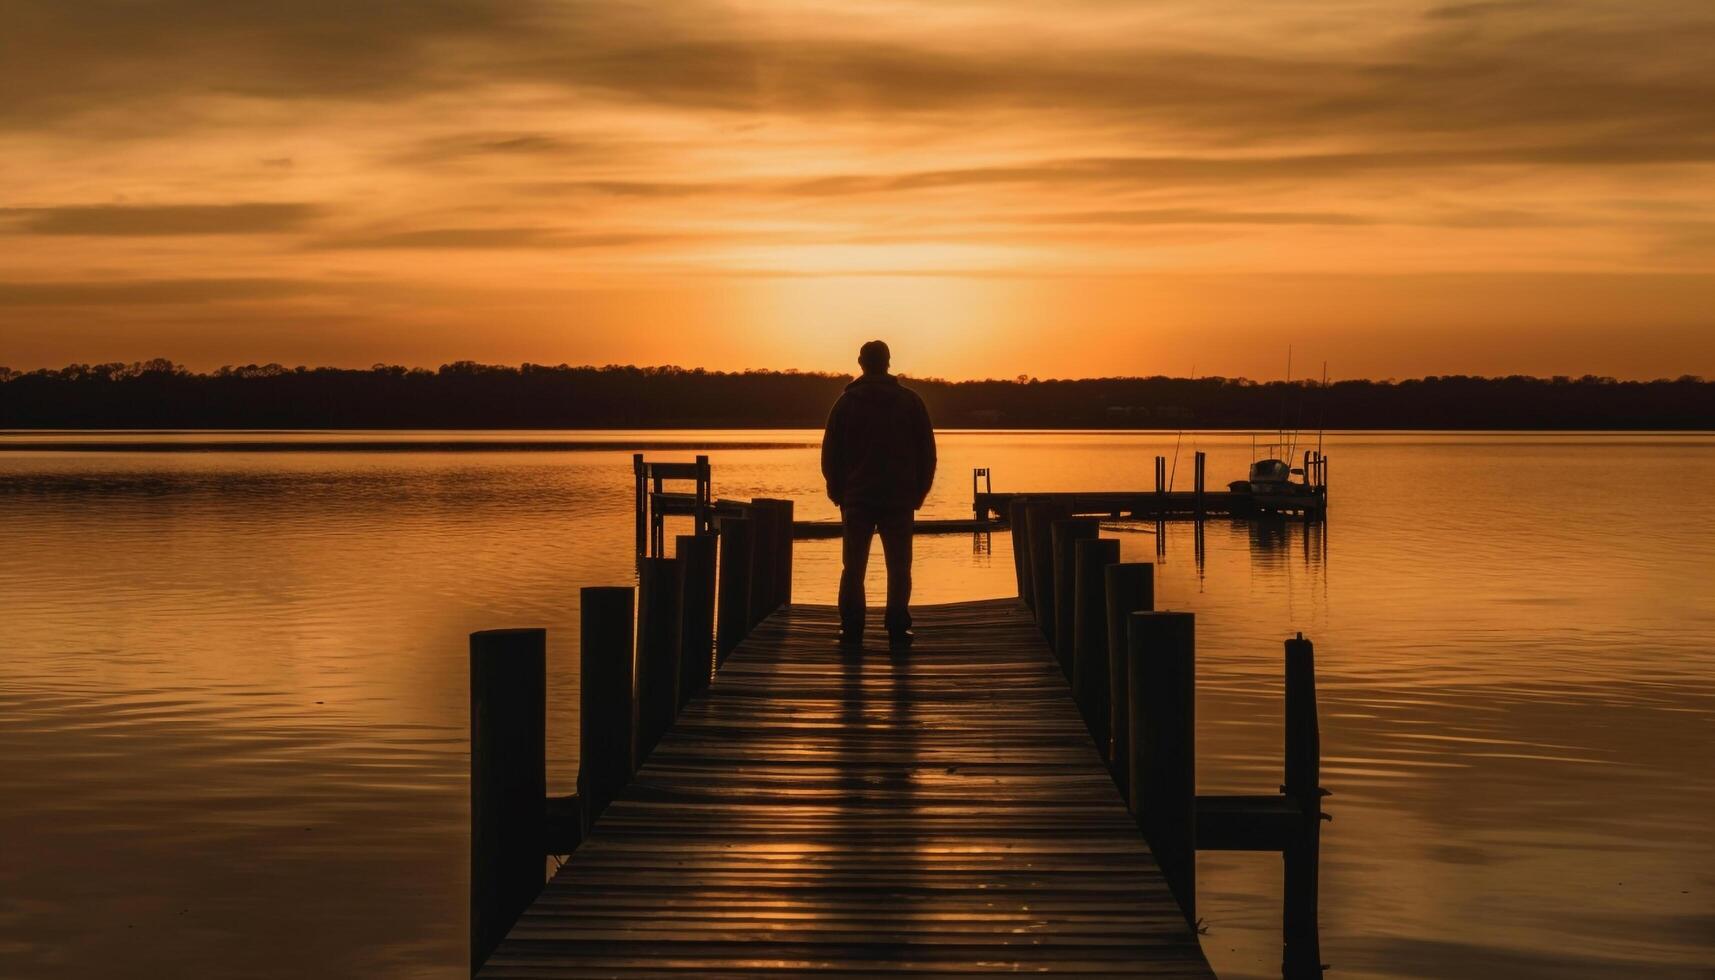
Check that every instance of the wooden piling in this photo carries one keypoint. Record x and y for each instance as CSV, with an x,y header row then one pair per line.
x,y
733,603
1015,521
1130,587
605,629
508,780
1065,535
658,594
1090,675
1303,737
642,502
1301,953
696,554
1160,476
1040,518
783,511
764,559
1162,705
1197,481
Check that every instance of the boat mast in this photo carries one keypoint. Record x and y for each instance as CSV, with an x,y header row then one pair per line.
x,y
1323,426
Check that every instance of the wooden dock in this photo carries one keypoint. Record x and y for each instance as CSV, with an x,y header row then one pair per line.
x,y
1306,498
1149,505
942,812
1015,793
990,510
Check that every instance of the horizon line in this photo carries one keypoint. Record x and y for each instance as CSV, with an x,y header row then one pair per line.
x,y
275,368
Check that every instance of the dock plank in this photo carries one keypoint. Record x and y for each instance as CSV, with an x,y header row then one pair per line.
x,y
941,812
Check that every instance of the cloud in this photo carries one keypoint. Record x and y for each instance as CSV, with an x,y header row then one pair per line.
x,y
109,293
1198,216
507,147
171,219
1148,172
1480,218
64,58
497,238
1513,72
648,188
1483,8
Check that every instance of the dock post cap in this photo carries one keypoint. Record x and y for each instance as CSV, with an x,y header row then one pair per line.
x,y
513,631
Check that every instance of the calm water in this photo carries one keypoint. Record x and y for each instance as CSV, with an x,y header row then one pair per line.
x,y
233,716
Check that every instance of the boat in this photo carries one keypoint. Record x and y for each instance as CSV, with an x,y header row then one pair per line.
x,y
1268,476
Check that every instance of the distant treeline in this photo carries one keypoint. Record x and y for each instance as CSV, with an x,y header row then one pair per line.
x,y
160,394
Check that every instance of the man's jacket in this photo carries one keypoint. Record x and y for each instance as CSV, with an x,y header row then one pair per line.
x,y
879,448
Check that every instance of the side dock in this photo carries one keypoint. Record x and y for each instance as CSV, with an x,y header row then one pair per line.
x,y
990,509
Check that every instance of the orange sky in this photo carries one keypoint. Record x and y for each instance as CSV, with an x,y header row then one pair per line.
x,y
1079,188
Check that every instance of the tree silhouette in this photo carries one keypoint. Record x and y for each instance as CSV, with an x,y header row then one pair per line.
x,y
466,394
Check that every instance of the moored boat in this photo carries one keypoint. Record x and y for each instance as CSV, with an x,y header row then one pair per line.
x,y
1267,476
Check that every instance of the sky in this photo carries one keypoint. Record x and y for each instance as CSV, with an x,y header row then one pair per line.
x,y
1077,188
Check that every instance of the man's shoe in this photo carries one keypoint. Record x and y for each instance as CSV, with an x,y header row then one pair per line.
x,y
851,640
900,639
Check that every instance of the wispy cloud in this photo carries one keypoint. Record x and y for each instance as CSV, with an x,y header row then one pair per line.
x,y
153,291
1198,216
492,238
170,219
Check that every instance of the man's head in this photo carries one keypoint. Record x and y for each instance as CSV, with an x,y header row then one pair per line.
x,y
874,357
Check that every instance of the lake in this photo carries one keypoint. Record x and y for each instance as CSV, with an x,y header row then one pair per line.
x,y
233,715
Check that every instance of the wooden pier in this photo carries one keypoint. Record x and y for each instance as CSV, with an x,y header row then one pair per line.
x,y
1014,793
941,811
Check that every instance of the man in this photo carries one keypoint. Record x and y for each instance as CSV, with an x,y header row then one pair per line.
x,y
878,456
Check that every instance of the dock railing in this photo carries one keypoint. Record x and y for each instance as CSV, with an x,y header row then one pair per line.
x,y
655,502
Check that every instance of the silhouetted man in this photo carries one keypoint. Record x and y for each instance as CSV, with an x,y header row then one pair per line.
x,y
878,457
